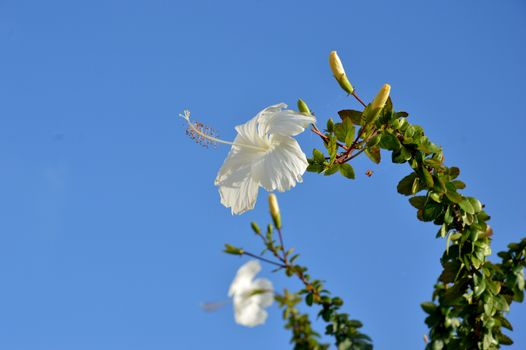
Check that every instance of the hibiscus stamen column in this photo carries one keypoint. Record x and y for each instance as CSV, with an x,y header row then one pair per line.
x,y
199,130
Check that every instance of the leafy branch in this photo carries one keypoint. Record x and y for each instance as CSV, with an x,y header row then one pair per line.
x,y
344,330
471,294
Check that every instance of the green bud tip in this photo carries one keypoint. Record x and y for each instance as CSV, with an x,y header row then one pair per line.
x,y
303,108
255,227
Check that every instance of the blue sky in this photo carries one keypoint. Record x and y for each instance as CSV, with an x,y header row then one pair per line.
x,y
111,228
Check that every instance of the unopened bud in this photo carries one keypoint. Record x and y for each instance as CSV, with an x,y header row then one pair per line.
x,y
255,228
339,72
381,98
373,111
274,210
302,107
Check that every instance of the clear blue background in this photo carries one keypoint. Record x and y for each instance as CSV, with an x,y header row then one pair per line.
x,y
111,228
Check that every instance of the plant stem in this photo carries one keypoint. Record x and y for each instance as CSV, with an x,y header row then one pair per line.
x,y
264,259
285,260
325,138
359,99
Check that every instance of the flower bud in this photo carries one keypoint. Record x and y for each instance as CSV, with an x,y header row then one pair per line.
x,y
303,108
274,210
255,228
339,72
381,98
373,110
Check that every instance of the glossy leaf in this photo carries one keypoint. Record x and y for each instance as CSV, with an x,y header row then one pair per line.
x,y
347,170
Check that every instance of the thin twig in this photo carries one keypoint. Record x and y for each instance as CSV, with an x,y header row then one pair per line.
x,y
285,260
263,259
359,99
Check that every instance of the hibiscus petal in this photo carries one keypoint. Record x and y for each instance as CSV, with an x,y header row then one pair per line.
x,y
237,188
240,196
244,277
275,120
249,314
250,134
281,167
263,299
238,160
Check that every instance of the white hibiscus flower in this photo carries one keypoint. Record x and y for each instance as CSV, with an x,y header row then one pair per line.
x,y
264,153
250,296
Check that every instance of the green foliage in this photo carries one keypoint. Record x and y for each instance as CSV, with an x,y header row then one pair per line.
x,y
469,298
345,331
471,295
303,336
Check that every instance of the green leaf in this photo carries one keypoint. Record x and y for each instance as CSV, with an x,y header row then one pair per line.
x,y
390,142
428,178
448,243
520,280
405,186
349,132
475,203
448,217
453,295
433,163
332,169
442,231
318,156
451,193
418,201
435,196
450,272
489,308
429,307
428,147
330,125
354,116
504,339
501,303
465,204
480,285
400,124
454,172
458,184
431,211
332,147
505,323
339,131
401,114
416,186
354,324
347,170
401,156
309,299
374,140
456,236
374,154
315,168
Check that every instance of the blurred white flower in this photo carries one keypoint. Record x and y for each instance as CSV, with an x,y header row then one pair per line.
x,y
250,296
264,153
